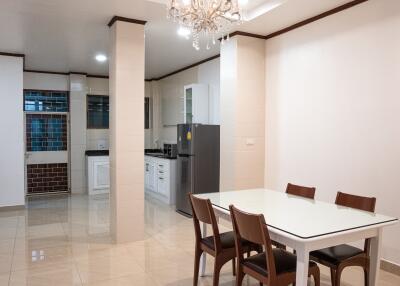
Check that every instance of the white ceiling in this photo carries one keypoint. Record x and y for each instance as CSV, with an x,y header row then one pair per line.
x,y
65,35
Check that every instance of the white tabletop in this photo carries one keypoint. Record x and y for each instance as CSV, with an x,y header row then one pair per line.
x,y
298,216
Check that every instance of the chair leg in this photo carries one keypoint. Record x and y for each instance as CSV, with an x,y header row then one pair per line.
x,y
338,275
366,276
217,269
234,266
333,276
317,277
239,276
197,256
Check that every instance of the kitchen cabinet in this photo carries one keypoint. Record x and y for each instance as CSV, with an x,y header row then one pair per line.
x,y
98,174
195,104
160,178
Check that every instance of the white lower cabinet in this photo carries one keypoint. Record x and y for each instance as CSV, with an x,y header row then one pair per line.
x,y
160,178
98,174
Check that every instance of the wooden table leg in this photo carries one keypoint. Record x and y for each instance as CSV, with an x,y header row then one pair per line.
x,y
303,257
375,258
203,256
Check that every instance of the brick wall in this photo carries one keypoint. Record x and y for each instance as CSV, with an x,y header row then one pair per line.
x,y
47,178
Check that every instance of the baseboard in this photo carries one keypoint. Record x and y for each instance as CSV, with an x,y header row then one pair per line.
x,y
12,208
390,267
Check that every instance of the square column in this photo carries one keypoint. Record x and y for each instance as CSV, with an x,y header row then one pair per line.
x,y
242,113
127,131
77,112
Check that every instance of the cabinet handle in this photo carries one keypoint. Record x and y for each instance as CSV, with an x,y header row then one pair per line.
x,y
160,178
161,172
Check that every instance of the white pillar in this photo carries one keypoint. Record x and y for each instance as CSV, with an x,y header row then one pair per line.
x,y
242,113
127,131
77,114
12,164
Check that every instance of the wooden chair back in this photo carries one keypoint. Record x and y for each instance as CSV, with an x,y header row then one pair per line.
x,y
357,202
300,191
203,212
252,227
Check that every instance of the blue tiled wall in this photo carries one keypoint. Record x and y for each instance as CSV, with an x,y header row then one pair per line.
x,y
46,132
50,101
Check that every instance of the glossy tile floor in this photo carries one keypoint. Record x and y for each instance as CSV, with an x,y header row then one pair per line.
x,y
64,240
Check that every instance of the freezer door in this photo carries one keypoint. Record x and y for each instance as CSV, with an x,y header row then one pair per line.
x,y
186,139
185,183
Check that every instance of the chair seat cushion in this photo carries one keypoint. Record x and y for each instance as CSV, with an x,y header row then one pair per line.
x,y
227,240
336,254
284,262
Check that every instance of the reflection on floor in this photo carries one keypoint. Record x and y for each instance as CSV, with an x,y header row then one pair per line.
x,y
64,240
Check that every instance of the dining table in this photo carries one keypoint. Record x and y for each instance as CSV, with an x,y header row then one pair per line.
x,y
305,224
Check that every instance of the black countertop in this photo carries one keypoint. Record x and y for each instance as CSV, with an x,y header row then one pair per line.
x,y
158,153
97,153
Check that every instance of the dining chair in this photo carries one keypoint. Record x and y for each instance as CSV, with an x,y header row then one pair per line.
x,y
221,246
300,191
306,192
339,257
275,266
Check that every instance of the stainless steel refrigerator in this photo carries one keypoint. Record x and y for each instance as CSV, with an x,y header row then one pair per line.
x,y
198,162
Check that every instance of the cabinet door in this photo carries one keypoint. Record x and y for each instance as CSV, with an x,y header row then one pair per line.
x,y
101,175
152,178
162,186
188,105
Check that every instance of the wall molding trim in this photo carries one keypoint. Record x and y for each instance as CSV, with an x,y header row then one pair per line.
x,y
390,267
97,76
46,72
245,34
315,18
124,19
12,55
185,68
12,208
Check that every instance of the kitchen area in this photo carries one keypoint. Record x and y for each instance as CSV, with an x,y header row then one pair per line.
x,y
181,138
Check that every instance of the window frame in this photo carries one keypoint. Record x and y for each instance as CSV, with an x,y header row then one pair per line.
x,y
46,90
87,111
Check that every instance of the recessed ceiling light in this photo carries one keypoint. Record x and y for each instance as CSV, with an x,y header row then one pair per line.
x,y
243,2
101,58
184,32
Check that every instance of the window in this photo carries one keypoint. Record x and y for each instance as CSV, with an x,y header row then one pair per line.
x,y
46,132
97,112
46,101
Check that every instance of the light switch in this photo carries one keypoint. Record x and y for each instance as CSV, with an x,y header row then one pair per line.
x,y
250,141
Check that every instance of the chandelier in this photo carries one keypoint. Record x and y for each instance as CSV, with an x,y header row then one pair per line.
x,y
211,18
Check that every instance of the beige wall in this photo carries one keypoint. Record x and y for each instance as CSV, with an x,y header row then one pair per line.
x,y
242,113
333,103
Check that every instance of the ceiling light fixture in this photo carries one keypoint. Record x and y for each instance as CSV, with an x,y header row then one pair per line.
x,y
101,58
211,18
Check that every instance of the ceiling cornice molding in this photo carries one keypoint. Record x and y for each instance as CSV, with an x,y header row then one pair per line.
x,y
12,55
185,68
97,76
245,34
78,73
67,73
124,19
46,72
315,18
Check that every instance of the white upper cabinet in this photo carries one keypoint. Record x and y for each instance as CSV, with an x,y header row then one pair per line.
x,y
195,104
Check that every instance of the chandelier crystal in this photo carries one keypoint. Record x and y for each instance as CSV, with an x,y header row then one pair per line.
x,y
211,18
